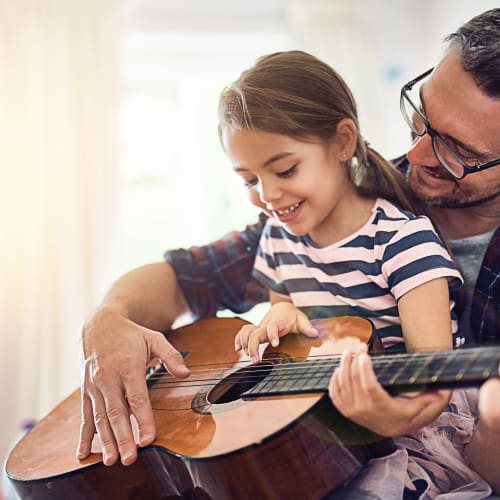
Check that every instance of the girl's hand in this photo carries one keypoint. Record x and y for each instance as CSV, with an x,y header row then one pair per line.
x,y
281,319
356,393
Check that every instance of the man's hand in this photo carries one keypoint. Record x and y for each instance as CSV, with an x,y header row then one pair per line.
x,y
489,405
116,352
356,393
483,449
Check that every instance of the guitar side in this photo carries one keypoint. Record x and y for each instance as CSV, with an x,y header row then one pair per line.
x,y
210,443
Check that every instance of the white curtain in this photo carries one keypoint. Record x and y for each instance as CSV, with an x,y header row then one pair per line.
x,y
59,63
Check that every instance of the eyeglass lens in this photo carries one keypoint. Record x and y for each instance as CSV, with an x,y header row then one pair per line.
x,y
446,156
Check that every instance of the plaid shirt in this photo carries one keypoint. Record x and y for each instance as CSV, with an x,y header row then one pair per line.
x,y
219,276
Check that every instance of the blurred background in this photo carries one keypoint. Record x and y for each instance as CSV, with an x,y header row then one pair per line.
x,y
109,152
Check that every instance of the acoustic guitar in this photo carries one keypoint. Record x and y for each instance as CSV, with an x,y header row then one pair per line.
x,y
233,430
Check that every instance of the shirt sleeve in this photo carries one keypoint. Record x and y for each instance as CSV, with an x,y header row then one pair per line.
x,y
218,276
485,308
266,269
415,255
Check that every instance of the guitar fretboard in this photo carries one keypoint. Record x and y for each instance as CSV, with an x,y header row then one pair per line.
x,y
438,369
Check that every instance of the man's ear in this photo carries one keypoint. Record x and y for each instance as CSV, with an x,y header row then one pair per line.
x,y
347,137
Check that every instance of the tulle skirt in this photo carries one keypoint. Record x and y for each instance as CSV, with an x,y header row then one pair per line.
x,y
429,464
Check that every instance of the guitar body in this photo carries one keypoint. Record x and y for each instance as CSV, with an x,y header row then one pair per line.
x,y
211,443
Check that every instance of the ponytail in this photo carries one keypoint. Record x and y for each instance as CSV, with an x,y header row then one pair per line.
x,y
375,177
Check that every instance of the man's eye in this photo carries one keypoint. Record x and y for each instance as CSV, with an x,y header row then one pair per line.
x,y
469,159
287,173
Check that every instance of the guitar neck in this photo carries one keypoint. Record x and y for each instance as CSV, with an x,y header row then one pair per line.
x,y
396,372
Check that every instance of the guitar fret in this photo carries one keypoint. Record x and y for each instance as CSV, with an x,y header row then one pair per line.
x,y
470,367
293,378
453,370
383,366
483,364
307,381
315,379
408,373
423,366
393,376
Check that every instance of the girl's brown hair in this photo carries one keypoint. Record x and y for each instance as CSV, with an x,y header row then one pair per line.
x,y
297,95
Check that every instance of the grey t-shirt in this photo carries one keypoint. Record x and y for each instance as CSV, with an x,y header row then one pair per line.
x,y
469,253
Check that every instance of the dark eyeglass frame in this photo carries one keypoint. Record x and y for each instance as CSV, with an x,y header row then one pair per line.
x,y
467,169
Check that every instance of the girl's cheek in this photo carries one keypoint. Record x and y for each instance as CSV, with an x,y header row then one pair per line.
x,y
255,199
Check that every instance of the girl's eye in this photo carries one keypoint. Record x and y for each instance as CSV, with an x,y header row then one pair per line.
x,y
250,183
287,173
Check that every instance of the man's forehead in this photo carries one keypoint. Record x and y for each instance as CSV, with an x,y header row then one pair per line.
x,y
457,107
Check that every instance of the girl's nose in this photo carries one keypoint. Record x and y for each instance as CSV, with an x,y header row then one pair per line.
x,y
269,192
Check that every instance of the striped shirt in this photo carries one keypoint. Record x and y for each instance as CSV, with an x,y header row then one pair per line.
x,y
364,274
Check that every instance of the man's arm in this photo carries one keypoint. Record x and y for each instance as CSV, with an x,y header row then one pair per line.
x,y
219,275
123,333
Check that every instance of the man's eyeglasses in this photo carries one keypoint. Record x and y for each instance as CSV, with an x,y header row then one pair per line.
x,y
458,166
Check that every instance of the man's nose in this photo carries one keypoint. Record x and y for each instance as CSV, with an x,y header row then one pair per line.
x,y
421,152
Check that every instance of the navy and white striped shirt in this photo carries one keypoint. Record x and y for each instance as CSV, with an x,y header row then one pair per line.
x,y
363,275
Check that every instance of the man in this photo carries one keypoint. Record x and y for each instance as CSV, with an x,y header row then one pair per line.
x,y
452,166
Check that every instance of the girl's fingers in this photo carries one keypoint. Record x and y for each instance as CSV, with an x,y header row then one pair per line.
x,y
241,339
344,374
258,336
273,333
304,326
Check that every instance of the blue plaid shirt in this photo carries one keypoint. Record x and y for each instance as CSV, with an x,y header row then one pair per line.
x,y
218,276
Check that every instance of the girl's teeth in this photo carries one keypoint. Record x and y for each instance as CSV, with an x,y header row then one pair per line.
x,y
289,209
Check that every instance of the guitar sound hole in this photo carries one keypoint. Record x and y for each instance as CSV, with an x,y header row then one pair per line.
x,y
234,385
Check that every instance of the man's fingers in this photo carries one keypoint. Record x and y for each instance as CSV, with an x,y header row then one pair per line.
x,y
140,406
104,430
161,348
87,427
111,412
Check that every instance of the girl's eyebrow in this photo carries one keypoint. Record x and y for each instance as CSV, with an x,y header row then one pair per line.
x,y
276,157
269,161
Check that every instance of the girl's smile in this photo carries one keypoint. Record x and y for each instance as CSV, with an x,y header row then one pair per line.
x,y
286,215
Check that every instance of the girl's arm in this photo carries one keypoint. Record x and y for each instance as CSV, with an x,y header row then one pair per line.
x,y
426,323
425,317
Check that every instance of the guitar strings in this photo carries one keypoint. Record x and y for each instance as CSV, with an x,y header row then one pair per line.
x,y
293,366
291,371
312,361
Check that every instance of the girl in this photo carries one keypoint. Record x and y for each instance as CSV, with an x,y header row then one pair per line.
x,y
342,235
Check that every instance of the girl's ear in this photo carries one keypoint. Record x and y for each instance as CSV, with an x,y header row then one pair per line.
x,y
347,138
